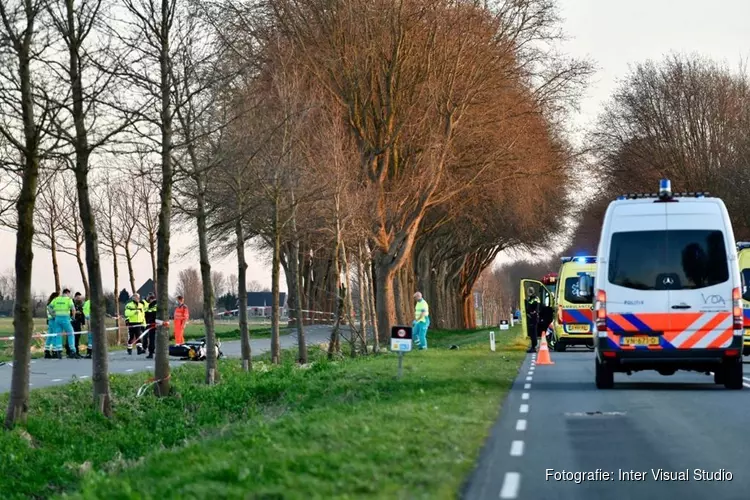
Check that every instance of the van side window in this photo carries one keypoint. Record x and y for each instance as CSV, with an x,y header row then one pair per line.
x,y
572,294
746,284
668,260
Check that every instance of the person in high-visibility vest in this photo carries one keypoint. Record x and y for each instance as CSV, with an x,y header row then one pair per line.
x,y
51,350
135,318
89,339
181,317
421,320
63,309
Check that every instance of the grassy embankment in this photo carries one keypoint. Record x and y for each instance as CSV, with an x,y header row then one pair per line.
x,y
343,429
193,330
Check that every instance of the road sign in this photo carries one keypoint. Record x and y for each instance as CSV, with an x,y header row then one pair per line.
x,y
504,324
401,338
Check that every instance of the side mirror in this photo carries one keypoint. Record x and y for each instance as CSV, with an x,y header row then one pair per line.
x,y
585,285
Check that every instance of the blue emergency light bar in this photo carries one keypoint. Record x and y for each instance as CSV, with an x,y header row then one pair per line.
x,y
741,245
581,259
665,188
665,193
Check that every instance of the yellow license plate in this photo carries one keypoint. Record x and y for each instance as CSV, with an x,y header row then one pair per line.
x,y
578,328
640,340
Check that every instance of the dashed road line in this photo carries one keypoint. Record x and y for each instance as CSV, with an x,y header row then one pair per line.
x,y
511,482
516,448
528,379
129,370
521,424
57,380
84,376
527,386
525,395
524,408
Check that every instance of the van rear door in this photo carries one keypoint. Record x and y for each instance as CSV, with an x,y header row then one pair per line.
x,y
700,295
635,260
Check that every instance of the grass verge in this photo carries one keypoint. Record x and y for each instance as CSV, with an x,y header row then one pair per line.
x,y
344,429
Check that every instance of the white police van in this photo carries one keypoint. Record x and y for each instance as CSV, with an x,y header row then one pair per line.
x,y
667,288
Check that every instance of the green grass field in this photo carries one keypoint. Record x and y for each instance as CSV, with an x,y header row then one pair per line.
x,y
225,331
344,429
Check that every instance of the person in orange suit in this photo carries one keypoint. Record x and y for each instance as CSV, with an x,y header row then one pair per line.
x,y
181,317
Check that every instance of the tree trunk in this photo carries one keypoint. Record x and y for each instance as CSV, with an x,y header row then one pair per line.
x,y
23,310
349,303
152,253
333,343
398,297
55,264
242,292
162,372
275,274
296,268
81,267
385,298
116,272
371,300
362,299
212,373
131,274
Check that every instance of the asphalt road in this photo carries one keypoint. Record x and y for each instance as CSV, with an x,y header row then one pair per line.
x,y
647,422
46,372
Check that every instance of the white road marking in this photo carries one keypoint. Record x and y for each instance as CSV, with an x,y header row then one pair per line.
x,y
57,380
516,448
525,395
527,386
746,379
746,384
129,370
528,379
521,424
524,408
511,482
84,376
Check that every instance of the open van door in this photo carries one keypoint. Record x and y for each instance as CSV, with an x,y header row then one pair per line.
x,y
547,303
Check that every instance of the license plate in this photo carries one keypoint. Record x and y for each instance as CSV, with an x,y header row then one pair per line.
x,y
578,328
640,340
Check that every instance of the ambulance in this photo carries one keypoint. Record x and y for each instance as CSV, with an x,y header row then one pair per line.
x,y
574,321
667,288
743,258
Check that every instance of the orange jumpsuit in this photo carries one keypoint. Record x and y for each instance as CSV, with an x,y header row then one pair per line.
x,y
181,316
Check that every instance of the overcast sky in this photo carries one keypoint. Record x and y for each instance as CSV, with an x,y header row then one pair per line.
x,y
614,34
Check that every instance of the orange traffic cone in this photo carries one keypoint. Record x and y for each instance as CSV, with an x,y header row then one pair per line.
x,y
543,358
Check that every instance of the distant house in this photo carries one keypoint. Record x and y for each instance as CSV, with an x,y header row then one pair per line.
x,y
260,304
146,288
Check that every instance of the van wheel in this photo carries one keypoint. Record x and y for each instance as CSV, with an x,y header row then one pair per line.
x,y
605,376
733,375
719,375
559,346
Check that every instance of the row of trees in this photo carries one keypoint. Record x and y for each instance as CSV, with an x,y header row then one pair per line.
x,y
402,144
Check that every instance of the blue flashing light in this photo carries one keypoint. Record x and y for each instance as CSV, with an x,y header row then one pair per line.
x,y
665,187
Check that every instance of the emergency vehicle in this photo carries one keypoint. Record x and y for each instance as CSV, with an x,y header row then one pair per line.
x,y
574,321
667,288
743,258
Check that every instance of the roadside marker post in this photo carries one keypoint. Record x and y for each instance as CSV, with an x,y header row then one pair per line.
x,y
401,341
492,341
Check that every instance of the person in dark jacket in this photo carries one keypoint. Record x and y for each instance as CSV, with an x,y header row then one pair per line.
x,y
533,306
79,320
150,309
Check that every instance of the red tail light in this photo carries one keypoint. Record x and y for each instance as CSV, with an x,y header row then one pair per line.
x,y
737,308
732,353
600,310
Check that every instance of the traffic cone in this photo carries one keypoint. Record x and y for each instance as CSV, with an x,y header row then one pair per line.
x,y
543,358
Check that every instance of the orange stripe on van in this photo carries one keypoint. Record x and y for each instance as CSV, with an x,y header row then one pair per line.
x,y
722,340
705,330
679,322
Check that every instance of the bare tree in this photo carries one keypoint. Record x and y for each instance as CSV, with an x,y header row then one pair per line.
x,y
232,284
107,209
25,114
73,227
7,284
146,194
49,221
189,285
254,286
219,283
129,212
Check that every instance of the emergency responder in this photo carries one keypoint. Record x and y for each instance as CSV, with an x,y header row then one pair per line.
x,y
63,309
79,320
50,345
532,317
87,315
135,318
181,317
150,338
421,320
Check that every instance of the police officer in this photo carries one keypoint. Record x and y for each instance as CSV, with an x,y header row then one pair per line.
x,y
532,317
135,319
79,320
87,315
150,343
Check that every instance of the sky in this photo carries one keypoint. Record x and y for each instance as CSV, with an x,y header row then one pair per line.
x,y
613,34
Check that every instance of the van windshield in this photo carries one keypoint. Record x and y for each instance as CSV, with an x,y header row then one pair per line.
x,y
572,293
668,260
